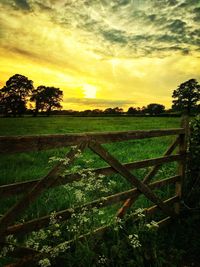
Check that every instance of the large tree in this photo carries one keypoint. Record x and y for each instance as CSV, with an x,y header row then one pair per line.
x,y
116,110
46,98
132,110
186,96
15,94
155,109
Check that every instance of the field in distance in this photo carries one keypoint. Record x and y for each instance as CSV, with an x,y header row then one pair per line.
x,y
62,124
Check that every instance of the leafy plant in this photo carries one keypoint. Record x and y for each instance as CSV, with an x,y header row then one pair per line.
x,y
192,185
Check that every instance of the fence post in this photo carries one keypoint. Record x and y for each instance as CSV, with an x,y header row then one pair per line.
x,y
183,138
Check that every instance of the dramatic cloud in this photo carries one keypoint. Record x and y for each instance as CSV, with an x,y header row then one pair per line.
x,y
125,49
22,4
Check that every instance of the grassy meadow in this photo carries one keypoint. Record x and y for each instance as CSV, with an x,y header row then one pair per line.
x,y
34,165
65,124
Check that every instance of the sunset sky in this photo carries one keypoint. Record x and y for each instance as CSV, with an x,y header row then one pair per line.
x,y
102,53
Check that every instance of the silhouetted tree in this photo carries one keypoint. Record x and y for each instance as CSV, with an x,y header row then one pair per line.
x,y
87,112
116,110
186,96
38,96
108,111
142,110
2,105
132,110
14,95
46,98
155,109
97,111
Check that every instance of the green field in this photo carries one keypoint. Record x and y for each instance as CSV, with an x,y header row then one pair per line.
x,y
65,124
34,165
28,166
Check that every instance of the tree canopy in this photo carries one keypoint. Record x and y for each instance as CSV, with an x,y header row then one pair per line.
x,y
14,95
155,109
186,96
132,110
19,90
115,110
46,98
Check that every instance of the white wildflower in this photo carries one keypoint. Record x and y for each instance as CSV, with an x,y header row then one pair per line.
x,y
134,241
44,262
46,249
139,212
102,260
63,247
79,195
152,225
57,233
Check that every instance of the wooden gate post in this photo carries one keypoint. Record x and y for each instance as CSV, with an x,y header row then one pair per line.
x,y
183,140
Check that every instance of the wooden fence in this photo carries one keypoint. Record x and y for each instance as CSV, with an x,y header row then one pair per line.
x,y
15,144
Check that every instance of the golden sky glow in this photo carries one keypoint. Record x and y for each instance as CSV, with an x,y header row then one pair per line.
x,y
102,53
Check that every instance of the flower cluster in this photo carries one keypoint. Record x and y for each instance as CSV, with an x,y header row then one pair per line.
x,y
9,247
152,225
64,161
44,262
88,182
134,241
139,213
102,260
48,241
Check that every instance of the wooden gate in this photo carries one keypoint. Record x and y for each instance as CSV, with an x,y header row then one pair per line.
x,y
94,142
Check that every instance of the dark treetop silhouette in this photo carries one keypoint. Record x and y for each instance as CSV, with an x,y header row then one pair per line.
x,y
46,98
19,90
14,95
186,96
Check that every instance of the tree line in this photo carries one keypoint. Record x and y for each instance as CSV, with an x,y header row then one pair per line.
x,y
151,109
19,91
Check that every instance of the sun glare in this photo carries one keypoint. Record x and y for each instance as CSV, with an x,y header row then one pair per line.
x,y
89,90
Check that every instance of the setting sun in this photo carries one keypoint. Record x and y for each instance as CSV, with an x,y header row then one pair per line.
x,y
89,91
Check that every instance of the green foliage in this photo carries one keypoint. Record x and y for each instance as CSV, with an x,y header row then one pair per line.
x,y
116,110
14,95
192,187
19,89
155,109
186,96
46,98
133,244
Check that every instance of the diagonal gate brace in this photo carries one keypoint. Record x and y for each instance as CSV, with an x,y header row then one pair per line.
x,y
34,192
127,204
114,163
